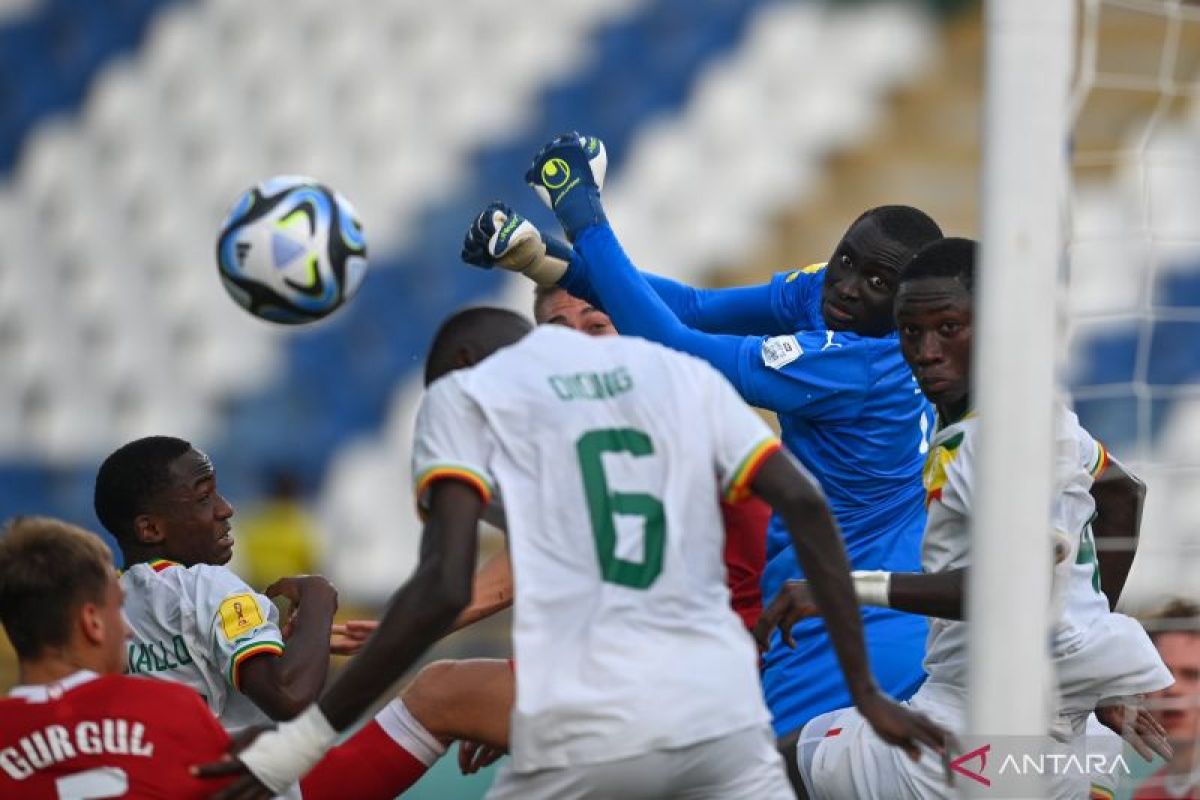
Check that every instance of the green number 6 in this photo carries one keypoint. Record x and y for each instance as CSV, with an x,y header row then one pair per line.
x,y
604,505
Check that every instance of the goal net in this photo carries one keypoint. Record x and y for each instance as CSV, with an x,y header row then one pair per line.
x,y
1132,307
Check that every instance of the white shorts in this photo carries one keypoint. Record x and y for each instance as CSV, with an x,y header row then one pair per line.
x,y
743,765
841,758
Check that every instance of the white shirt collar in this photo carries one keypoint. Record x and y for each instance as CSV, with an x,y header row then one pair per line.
x,y
45,692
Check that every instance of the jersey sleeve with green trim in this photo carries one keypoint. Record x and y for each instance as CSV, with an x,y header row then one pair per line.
x,y
451,442
241,622
742,441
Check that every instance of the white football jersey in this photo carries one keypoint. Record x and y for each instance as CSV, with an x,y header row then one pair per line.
x,y
197,625
610,455
1097,653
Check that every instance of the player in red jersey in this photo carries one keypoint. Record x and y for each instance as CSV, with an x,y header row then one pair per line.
x,y
75,727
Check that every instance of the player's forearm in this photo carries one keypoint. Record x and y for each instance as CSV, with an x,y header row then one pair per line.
x,y
637,310
821,554
929,594
421,611
419,614
491,593
300,673
282,686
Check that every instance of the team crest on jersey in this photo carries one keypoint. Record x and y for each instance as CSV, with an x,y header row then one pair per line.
x,y
779,351
937,463
239,615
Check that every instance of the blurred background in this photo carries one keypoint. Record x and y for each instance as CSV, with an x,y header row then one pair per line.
x,y
743,135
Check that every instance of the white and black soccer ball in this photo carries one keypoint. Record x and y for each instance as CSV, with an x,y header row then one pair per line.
x,y
291,250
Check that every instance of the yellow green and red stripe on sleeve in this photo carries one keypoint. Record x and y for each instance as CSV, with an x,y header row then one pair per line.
x,y
743,476
247,652
1100,462
457,473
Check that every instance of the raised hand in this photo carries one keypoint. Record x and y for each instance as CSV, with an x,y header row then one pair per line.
x,y
500,237
567,174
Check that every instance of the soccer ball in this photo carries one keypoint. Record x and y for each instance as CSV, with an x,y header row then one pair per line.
x,y
291,250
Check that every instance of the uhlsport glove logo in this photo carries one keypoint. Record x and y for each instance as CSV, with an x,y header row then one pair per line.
x,y
555,173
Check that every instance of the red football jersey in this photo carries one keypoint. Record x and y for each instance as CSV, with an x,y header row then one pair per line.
x,y
746,555
1156,788
91,736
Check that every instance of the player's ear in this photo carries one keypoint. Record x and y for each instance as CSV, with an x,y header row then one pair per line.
x,y
91,623
147,530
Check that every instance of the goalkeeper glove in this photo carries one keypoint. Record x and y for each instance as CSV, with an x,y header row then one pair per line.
x,y
567,174
500,237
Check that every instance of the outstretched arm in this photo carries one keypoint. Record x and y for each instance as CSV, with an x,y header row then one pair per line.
x,y
491,594
637,310
742,310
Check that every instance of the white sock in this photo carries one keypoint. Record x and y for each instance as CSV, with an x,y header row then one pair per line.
x,y
406,731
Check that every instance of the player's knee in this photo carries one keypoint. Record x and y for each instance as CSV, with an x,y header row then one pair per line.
x,y
431,694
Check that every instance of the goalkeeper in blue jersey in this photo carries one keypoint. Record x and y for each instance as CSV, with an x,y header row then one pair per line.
x,y
817,346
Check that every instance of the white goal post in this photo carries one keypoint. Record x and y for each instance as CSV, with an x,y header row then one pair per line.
x,y
1028,62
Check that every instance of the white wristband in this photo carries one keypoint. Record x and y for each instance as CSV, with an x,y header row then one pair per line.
x,y
281,757
872,587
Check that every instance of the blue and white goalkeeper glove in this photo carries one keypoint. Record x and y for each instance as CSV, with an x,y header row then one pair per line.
x,y
500,237
567,174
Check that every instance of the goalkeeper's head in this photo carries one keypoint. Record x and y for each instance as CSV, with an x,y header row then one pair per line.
x,y
934,315
468,337
862,274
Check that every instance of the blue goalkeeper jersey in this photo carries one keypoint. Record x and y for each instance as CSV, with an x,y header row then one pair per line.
x,y
849,410
862,431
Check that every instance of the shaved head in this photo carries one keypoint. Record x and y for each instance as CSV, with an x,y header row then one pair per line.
x,y
470,336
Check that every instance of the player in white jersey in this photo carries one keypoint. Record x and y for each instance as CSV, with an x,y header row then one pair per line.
x,y
194,620
634,676
1098,656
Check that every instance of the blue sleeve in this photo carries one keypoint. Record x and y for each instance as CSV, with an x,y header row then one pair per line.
x,y
739,310
816,375
796,298
753,364
637,310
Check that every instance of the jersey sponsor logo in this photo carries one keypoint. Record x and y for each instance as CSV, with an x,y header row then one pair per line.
x,y
779,351
592,385
158,656
56,743
239,615
830,344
